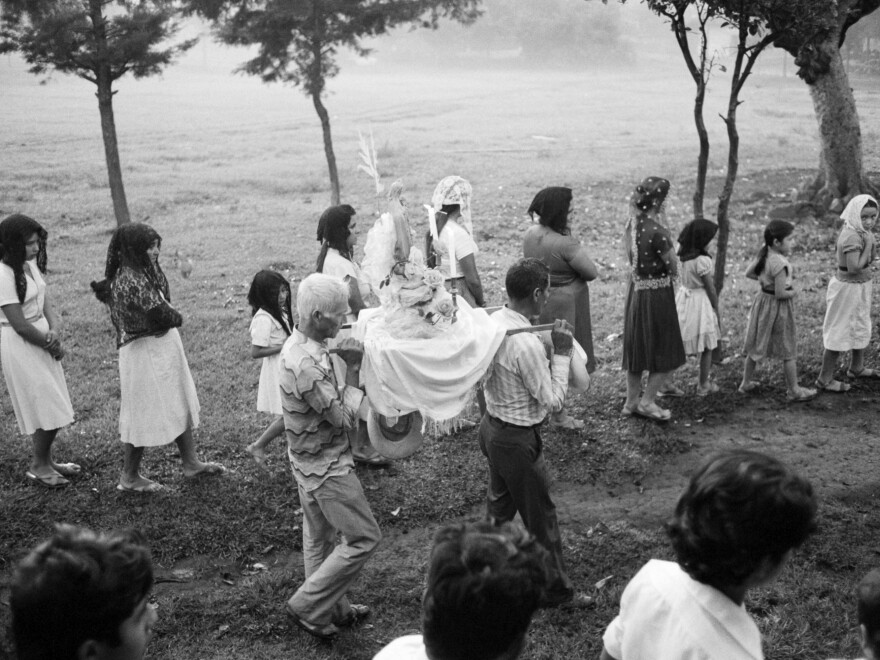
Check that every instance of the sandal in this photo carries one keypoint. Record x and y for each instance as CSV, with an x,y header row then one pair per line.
x,y
67,469
568,422
711,388
148,487
800,395
833,386
864,373
671,391
207,470
51,480
747,388
653,412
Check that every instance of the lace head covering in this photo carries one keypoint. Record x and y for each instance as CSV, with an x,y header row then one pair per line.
x,y
694,238
552,206
128,247
15,230
648,196
852,214
455,190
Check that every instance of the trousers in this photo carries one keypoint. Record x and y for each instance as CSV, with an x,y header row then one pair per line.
x,y
518,483
336,508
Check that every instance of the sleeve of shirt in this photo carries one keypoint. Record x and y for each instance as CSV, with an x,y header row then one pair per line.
x,y
548,387
340,267
850,243
8,295
703,265
261,330
338,407
774,265
660,243
464,243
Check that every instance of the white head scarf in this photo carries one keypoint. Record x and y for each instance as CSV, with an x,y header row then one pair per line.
x,y
455,190
852,214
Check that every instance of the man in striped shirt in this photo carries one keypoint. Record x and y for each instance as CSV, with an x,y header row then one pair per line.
x,y
522,390
317,413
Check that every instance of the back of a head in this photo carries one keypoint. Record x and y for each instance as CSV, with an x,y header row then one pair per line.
x,y
524,276
75,587
740,508
869,608
484,585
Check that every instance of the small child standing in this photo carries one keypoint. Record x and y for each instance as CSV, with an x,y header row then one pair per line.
x,y
733,530
696,299
269,298
847,325
772,331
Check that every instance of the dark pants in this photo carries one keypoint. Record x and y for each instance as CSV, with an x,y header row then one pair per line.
x,y
518,482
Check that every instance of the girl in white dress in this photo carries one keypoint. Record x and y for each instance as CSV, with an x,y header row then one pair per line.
x,y
269,298
158,401
696,300
30,348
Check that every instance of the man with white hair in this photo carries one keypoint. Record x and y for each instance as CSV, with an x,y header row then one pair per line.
x,y
317,413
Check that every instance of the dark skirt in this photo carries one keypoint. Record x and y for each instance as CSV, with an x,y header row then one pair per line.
x,y
651,335
572,303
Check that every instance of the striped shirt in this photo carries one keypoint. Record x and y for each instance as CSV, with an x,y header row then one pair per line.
x,y
317,412
523,386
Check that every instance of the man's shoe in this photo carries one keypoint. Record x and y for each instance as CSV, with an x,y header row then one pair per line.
x,y
328,631
357,614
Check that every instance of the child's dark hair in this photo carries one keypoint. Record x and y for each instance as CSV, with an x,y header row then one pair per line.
x,y
263,294
484,585
870,204
776,230
695,237
15,230
74,587
869,607
333,232
740,509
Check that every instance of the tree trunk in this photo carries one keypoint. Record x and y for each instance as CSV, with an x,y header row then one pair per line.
x,y
104,81
703,158
328,148
841,157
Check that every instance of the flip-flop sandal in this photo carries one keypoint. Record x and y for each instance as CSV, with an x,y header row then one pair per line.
x,y
804,394
150,487
658,414
671,392
748,388
833,386
209,470
864,373
68,469
52,480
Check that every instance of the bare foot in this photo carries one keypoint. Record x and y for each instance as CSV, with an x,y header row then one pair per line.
x,y
201,469
67,469
258,454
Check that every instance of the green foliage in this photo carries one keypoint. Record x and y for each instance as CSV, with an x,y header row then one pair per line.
x,y
78,37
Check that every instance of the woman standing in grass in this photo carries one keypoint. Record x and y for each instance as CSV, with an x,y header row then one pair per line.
x,y
455,239
847,324
336,234
651,334
158,401
30,348
570,269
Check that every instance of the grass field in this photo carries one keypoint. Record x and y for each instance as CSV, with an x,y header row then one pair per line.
x,y
231,173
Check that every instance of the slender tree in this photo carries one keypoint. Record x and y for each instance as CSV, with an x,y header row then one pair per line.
x,y
699,67
813,32
99,41
299,39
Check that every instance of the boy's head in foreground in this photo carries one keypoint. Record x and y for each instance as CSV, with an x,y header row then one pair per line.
x,y
83,596
738,520
869,614
484,585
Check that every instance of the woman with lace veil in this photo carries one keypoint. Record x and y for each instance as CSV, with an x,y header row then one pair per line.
x,y
651,336
158,401
451,239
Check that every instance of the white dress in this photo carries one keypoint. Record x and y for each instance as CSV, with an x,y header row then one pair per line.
x,y
267,332
34,378
696,318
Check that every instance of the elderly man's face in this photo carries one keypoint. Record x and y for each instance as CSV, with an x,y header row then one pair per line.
x,y
328,324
